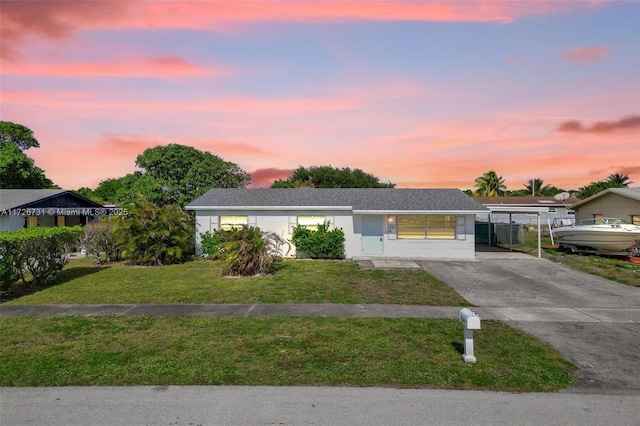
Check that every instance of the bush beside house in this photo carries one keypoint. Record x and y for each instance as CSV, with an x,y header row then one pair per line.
x,y
319,243
244,250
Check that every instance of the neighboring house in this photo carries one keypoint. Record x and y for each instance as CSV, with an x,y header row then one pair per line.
x,y
23,208
380,222
549,209
612,202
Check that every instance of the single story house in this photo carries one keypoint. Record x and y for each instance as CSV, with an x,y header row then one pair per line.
x,y
377,222
23,208
623,203
526,210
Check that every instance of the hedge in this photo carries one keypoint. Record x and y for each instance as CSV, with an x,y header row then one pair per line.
x,y
35,255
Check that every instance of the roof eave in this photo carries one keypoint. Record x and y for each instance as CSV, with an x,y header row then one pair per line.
x,y
439,211
268,208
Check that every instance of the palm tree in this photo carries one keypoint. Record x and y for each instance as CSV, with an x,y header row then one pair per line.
x,y
618,181
490,185
534,187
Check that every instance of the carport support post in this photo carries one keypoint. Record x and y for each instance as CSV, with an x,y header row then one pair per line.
x,y
510,231
539,239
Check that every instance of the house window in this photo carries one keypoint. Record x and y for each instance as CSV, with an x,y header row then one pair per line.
x,y
411,227
440,227
231,222
311,222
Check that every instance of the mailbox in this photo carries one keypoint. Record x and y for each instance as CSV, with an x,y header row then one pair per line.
x,y
471,321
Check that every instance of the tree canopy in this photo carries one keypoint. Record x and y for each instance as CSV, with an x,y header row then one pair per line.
x,y
172,174
490,185
615,180
18,135
331,177
17,171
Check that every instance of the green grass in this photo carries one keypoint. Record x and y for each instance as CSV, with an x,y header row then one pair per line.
x,y
613,269
65,351
297,281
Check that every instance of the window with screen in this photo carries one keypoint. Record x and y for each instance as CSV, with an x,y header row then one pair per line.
x,y
230,222
311,222
441,227
436,227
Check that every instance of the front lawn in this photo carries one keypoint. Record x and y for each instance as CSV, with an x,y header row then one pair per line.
x,y
297,281
71,351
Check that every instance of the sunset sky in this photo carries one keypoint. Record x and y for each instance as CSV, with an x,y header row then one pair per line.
x,y
422,94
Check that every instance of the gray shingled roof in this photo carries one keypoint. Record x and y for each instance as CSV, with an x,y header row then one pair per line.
x,y
14,198
17,198
359,199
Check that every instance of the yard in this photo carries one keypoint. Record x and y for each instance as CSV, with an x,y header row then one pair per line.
x,y
297,281
64,351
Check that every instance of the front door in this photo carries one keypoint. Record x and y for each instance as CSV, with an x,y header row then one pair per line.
x,y
371,235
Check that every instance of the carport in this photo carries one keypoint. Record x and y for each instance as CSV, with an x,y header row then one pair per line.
x,y
511,210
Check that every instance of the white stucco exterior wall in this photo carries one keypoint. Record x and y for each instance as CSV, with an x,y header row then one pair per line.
x,y
283,221
462,248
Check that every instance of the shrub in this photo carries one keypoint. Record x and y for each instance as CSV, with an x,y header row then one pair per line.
x,y
36,255
244,250
321,243
210,244
8,274
98,238
152,235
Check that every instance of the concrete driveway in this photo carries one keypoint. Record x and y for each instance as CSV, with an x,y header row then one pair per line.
x,y
593,322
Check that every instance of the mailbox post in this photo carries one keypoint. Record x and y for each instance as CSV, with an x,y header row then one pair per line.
x,y
471,321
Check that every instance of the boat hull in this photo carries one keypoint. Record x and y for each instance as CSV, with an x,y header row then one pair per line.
x,y
597,238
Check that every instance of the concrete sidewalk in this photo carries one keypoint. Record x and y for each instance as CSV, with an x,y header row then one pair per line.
x,y
520,314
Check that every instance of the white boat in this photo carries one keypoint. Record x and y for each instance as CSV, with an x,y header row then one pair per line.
x,y
608,234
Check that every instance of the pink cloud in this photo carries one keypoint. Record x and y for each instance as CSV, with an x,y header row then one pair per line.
x,y
587,54
129,146
51,19
263,178
59,19
160,67
629,123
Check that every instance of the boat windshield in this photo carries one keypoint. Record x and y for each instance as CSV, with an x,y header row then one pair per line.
x,y
604,221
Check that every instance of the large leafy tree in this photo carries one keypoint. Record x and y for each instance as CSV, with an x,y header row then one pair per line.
x,y
490,185
17,171
18,135
175,174
331,177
